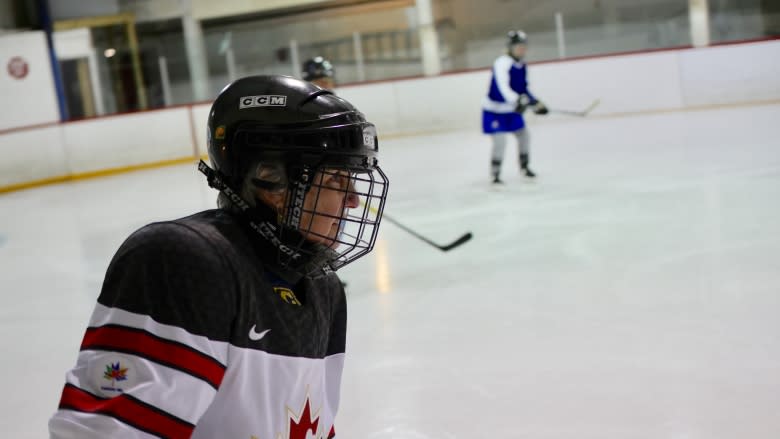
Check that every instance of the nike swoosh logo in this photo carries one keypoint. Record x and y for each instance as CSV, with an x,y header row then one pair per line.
x,y
254,335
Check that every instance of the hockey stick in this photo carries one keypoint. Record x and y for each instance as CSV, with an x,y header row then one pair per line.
x,y
456,243
582,113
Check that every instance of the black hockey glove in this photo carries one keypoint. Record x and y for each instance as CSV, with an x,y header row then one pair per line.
x,y
540,108
522,104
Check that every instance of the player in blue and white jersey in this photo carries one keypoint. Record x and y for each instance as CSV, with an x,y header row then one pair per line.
x,y
507,99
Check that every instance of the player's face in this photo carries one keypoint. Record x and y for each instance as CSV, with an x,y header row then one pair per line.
x,y
518,50
331,194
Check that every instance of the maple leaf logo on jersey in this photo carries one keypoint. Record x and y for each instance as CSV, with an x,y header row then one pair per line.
x,y
303,426
115,372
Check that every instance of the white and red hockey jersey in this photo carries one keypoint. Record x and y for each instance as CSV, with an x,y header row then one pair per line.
x,y
196,336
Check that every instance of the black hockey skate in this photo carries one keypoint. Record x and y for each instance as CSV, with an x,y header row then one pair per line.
x,y
497,180
524,161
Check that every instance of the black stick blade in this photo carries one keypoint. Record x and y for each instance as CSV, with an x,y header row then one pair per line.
x,y
463,239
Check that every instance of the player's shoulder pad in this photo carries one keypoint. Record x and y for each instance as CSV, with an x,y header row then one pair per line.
x,y
170,240
503,62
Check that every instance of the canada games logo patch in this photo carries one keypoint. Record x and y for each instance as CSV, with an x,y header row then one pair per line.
x,y
111,375
115,374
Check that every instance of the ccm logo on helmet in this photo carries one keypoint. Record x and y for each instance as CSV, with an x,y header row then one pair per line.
x,y
262,101
368,139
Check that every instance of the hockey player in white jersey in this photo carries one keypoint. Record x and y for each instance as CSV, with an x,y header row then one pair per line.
x,y
506,100
231,323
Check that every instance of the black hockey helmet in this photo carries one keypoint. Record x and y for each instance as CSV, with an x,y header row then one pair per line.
x,y
307,130
516,37
282,117
317,68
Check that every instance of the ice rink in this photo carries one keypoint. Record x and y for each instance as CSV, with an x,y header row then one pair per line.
x,y
631,292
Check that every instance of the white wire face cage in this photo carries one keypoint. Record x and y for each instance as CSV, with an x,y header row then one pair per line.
x,y
351,202
352,208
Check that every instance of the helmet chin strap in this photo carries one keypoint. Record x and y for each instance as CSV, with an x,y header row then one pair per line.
x,y
264,228
299,186
313,261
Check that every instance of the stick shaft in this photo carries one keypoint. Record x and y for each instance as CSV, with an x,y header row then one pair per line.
x,y
408,230
465,237
582,113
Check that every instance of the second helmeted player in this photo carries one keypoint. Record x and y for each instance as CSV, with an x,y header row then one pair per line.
x,y
507,98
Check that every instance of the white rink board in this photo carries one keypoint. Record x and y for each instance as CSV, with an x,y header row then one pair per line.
x,y
622,83
32,155
666,80
721,75
128,140
200,116
378,102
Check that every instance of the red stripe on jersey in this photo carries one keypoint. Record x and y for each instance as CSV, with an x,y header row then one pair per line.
x,y
129,410
143,344
332,433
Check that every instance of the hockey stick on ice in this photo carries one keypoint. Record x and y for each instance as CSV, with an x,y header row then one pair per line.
x,y
456,243
582,113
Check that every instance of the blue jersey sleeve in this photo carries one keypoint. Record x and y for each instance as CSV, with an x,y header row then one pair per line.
x,y
519,83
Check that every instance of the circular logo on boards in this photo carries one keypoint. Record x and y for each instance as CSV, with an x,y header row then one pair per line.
x,y
18,67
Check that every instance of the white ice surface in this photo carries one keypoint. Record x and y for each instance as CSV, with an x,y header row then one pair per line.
x,y
631,292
